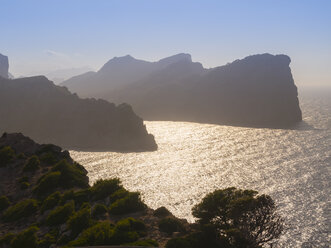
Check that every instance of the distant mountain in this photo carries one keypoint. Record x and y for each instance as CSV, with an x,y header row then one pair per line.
x,y
51,114
4,66
255,91
120,72
58,76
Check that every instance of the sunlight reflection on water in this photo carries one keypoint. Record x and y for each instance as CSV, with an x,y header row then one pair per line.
x,y
293,166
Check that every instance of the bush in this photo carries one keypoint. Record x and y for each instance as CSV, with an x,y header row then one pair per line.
x,y
79,221
23,179
178,243
161,212
130,225
104,188
47,184
60,214
6,239
99,210
99,234
240,217
48,158
20,210
81,196
47,241
51,201
67,196
118,194
145,242
4,202
129,204
170,225
72,175
32,164
7,155
24,185
27,238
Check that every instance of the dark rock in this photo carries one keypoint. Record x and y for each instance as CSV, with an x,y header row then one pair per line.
x,y
4,66
51,114
256,91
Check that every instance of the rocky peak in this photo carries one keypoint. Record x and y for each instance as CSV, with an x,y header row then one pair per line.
x,y
4,66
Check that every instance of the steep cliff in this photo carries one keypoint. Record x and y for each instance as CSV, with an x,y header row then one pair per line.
x,y
51,114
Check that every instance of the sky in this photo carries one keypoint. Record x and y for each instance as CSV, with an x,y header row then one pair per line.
x,y
40,36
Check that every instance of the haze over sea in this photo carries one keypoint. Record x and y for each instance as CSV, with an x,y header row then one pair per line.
x,y
293,166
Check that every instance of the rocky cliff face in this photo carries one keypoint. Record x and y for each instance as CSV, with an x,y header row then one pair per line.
x,y
255,91
51,114
4,66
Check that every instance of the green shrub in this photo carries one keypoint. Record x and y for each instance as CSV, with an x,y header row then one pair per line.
x,y
170,225
6,239
32,164
99,234
178,243
99,210
79,221
7,155
48,158
20,210
21,156
130,224
27,238
129,204
145,242
47,184
85,205
104,188
4,202
60,214
67,196
51,201
24,185
72,175
161,212
23,179
118,194
81,196
47,241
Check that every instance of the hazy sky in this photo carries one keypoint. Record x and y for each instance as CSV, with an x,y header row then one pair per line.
x,y
46,35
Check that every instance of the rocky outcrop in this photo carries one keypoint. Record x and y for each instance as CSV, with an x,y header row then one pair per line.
x,y
51,114
256,91
4,66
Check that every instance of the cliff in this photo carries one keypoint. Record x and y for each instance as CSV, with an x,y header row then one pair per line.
x,y
257,91
4,66
51,114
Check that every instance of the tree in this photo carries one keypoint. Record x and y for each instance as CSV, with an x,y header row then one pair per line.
x,y
241,218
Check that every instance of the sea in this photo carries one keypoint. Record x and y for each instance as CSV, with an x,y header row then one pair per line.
x,y
192,160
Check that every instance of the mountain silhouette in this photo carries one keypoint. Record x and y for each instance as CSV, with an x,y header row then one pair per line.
x,y
51,114
258,90
4,66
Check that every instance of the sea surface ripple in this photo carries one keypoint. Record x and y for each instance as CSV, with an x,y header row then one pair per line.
x,y
293,166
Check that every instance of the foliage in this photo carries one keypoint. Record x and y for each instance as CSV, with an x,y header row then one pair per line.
x,y
178,243
51,201
27,238
4,202
161,212
47,241
7,155
99,234
104,188
241,217
130,224
48,158
72,175
24,185
129,204
118,194
79,221
20,210
99,210
81,196
170,225
6,239
60,214
32,164
144,242
47,183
